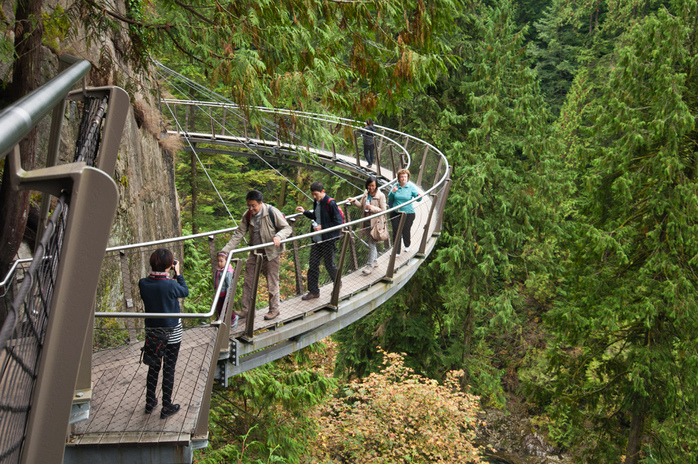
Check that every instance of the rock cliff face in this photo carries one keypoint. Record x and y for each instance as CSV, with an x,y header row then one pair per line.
x,y
148,206
148,203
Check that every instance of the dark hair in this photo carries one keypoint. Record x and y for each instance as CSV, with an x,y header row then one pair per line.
x,y
222,253
369,180
316,187
370,121
254,195
161,260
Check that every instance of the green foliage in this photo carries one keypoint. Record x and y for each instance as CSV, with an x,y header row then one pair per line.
x,y
56,25
624,335
268,405
356,57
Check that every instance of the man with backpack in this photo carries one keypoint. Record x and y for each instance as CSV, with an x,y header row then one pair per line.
x,y
266,224
325,214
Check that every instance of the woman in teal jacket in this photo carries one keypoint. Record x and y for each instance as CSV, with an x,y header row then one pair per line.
x,y
403,192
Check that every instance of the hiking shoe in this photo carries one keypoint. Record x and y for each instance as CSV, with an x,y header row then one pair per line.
x,y
234,321
271,315
367,270
310,296
149,407
375,264
168,411
240,314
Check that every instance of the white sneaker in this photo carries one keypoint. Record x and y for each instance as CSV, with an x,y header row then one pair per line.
x,y
375,264
367,270
407,250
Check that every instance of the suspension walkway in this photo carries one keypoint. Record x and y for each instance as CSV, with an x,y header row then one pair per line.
x,y
96,389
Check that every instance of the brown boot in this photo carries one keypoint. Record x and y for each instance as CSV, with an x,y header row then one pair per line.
x,y
271,315
240,314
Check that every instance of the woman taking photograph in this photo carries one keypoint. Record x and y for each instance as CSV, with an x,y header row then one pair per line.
x,y
403,192
160,295
372,202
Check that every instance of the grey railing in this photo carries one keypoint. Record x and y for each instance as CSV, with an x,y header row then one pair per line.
x,y
51,307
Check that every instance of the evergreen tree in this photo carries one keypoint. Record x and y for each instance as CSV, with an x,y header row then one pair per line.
x,y
623,363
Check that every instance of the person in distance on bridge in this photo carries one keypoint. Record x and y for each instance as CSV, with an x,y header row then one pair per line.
x,y
372,202
265,224
161,294
367,135
325,214
403,192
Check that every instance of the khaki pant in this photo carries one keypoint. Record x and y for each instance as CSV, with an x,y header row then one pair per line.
x,y
270,270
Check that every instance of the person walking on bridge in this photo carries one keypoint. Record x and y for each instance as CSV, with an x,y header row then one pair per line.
x,y
325,214
160,294
265,224
371,203
368,134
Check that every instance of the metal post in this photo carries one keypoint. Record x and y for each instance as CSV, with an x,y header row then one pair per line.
x,y
201,429
422,166
391,263
296,260
334,302
354,262
423,246
249,327
392,158
442,203
438,170
214,258
213,129
223,128
230,296
378,163
356,149
51,160
334,152
87,234
128,294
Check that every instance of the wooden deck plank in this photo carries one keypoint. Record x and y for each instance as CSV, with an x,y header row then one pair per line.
x,y
100,393
118,402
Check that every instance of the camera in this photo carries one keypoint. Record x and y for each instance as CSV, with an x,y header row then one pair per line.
x,y
175,262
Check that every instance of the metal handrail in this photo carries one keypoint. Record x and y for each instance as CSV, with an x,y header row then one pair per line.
x,y
18,119
349,122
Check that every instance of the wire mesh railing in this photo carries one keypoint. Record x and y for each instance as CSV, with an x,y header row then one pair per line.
x,y
23,334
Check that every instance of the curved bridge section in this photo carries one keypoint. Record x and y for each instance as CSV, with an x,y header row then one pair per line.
x,y
107,419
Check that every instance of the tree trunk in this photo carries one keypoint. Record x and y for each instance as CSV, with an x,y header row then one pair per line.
x,y
632,453
14,206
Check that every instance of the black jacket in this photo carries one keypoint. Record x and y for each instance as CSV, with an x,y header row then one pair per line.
x,y
330,213
160,295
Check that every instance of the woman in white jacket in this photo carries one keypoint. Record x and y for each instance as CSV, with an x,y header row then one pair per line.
x,y
372,202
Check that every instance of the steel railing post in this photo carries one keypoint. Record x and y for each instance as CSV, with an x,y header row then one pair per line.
x,y
296,260
425,234
230,298
337,287
422,166
442,203
356,148
128,293
391,263
354,262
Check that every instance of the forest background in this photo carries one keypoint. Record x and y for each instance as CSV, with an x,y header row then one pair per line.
x,y
562,288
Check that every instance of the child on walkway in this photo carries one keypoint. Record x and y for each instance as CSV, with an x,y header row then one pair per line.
x,y
228,278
